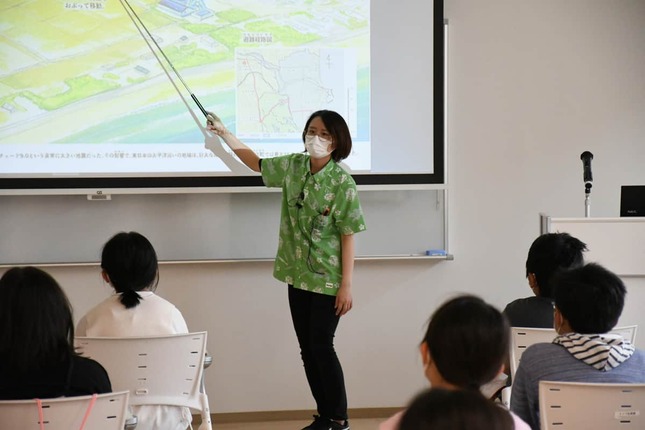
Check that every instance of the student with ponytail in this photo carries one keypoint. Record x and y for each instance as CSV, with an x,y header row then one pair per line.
x,y
129,265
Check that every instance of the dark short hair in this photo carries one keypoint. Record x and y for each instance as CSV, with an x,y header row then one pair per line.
x,y
550,253
591,298
468,340
36,323
440,409
131,263
337,127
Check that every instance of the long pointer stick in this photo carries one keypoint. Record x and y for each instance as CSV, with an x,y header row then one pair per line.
x,y
139,24
231,163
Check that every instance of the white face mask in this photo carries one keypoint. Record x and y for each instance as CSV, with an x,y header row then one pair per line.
x,y
317,147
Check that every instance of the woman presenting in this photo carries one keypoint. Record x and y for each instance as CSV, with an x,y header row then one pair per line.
x,y
320,214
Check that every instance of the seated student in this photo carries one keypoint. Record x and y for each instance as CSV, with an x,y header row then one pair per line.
x,y
548,254
37,358
439,409
465,346
129,264
588,303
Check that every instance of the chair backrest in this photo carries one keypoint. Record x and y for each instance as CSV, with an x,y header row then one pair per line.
x,y
523,337
576,405
106,412
627,332
156,370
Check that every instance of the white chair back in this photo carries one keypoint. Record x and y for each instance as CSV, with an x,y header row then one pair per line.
x,y
156,370
523,337
627,332
576,405
106,412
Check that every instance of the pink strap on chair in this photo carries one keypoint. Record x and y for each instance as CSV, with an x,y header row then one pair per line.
x,y
87,412
39,403
41,419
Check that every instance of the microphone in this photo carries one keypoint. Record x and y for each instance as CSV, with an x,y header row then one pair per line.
x,y
301,198
586,158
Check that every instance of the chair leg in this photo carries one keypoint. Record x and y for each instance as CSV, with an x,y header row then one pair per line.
x,y
506,397
206,413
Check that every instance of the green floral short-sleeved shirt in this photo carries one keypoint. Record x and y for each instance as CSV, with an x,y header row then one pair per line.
x,y
316,211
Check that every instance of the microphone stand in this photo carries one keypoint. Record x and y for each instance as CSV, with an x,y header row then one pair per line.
x,y
587,202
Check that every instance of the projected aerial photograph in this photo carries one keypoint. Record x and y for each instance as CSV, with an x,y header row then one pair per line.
x,y
86,85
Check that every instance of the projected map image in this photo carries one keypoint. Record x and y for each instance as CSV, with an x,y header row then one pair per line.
x,y
278,89
82,89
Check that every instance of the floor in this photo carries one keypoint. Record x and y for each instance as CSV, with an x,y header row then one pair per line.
x,y
356,424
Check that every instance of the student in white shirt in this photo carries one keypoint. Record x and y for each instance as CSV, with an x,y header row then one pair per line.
x,y
129,264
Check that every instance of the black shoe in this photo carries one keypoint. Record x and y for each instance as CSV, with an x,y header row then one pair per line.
x,y
317,424
333,425
321,423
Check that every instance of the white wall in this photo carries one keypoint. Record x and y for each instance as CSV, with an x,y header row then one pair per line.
x,y
533,84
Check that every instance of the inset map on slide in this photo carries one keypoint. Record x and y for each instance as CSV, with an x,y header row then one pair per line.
x,y
277,89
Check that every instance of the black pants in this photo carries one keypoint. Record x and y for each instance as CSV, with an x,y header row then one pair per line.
x,y
315,321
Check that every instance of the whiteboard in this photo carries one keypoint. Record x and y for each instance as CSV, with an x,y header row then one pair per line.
x,y
189,227
616,243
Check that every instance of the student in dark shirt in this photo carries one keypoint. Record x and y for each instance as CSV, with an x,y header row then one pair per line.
x,y
550,253
37,358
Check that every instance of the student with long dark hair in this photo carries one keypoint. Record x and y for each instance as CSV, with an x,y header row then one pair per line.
x,y
37,358
320,215
129,264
